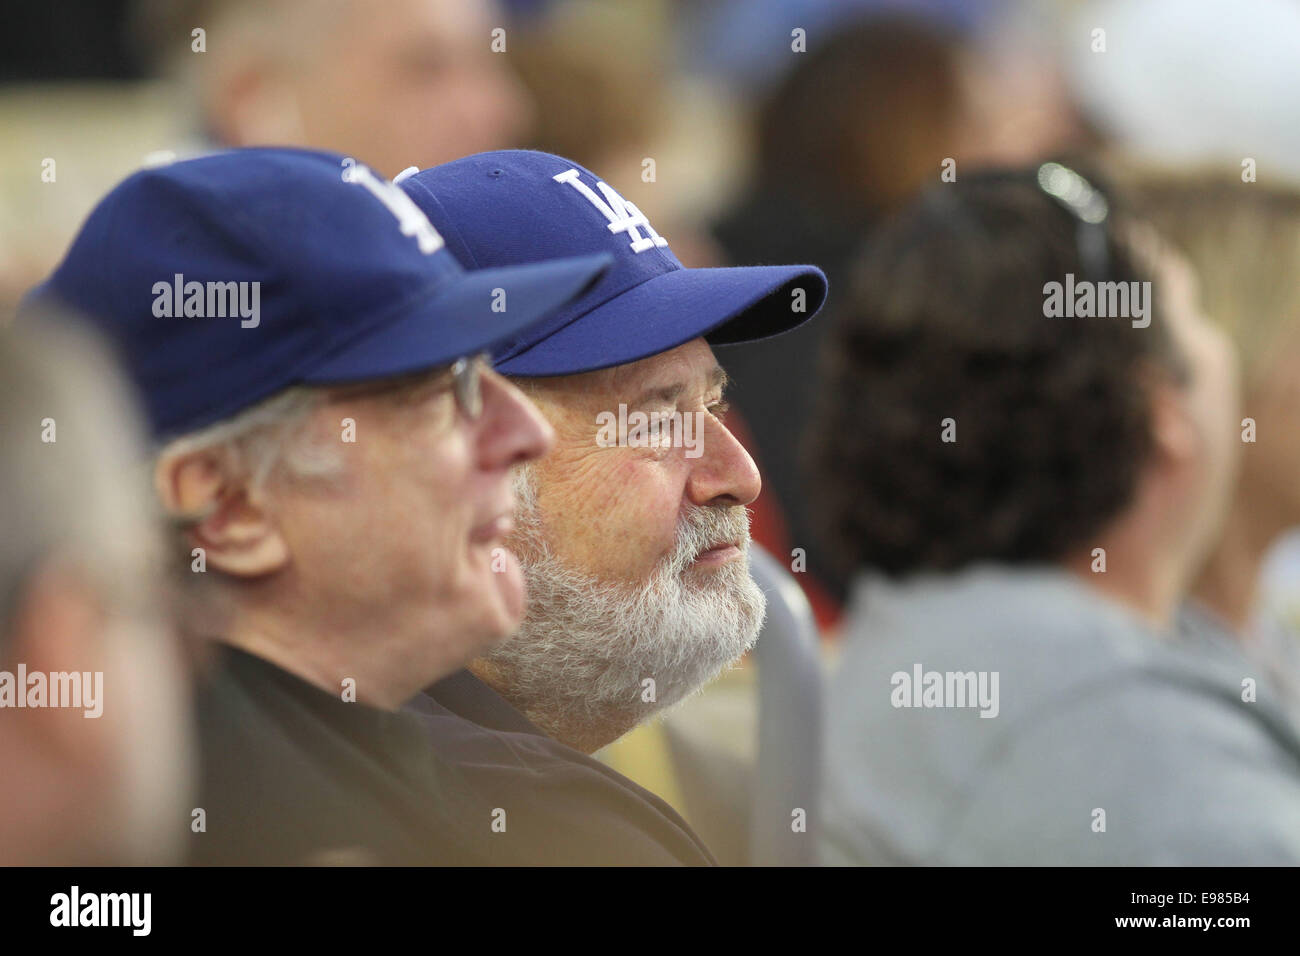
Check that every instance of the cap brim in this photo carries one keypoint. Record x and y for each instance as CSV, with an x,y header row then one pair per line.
x,y
481,311
725,305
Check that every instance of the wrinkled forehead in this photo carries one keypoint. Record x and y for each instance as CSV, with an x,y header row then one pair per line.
x,y
692,364
691,367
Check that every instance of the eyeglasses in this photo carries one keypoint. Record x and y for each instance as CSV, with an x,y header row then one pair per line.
x,y
467,384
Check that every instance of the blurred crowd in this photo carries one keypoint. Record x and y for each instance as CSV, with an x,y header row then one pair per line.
x,y
1081,526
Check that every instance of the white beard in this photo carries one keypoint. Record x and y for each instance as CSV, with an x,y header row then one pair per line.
x,y
579,665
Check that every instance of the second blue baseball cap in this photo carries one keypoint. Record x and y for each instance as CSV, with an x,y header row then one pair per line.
x,y
514,206
225,279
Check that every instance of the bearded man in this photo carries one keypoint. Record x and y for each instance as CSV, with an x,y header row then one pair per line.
x,y
633,539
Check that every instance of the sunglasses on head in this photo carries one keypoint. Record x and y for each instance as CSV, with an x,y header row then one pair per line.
x,y
1084,202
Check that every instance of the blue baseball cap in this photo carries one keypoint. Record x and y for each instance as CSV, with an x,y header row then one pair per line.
x,y
514,206
225,279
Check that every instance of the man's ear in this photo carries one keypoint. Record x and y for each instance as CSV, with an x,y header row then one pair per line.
x,y
1175,438
254,105
234,528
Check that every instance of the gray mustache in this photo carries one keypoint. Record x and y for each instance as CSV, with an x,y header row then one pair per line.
x,y
703,528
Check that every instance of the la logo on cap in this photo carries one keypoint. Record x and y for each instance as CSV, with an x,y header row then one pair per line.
x,y
623,216
411,218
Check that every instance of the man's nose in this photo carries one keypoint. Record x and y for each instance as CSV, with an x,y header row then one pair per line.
x,y
724,474
510,430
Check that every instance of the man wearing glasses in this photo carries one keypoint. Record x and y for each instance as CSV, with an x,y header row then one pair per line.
x,y
339,466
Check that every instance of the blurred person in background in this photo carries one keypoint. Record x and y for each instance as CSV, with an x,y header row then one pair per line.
x,y
627,109
339,463
105,780
889,97
96,90
845,134
1024,498
1243,240
601,104
854,128
400,82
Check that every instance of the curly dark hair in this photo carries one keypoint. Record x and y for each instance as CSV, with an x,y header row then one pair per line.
x,y
946,320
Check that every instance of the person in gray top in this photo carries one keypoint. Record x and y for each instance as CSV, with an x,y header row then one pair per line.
x,y
1023,454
